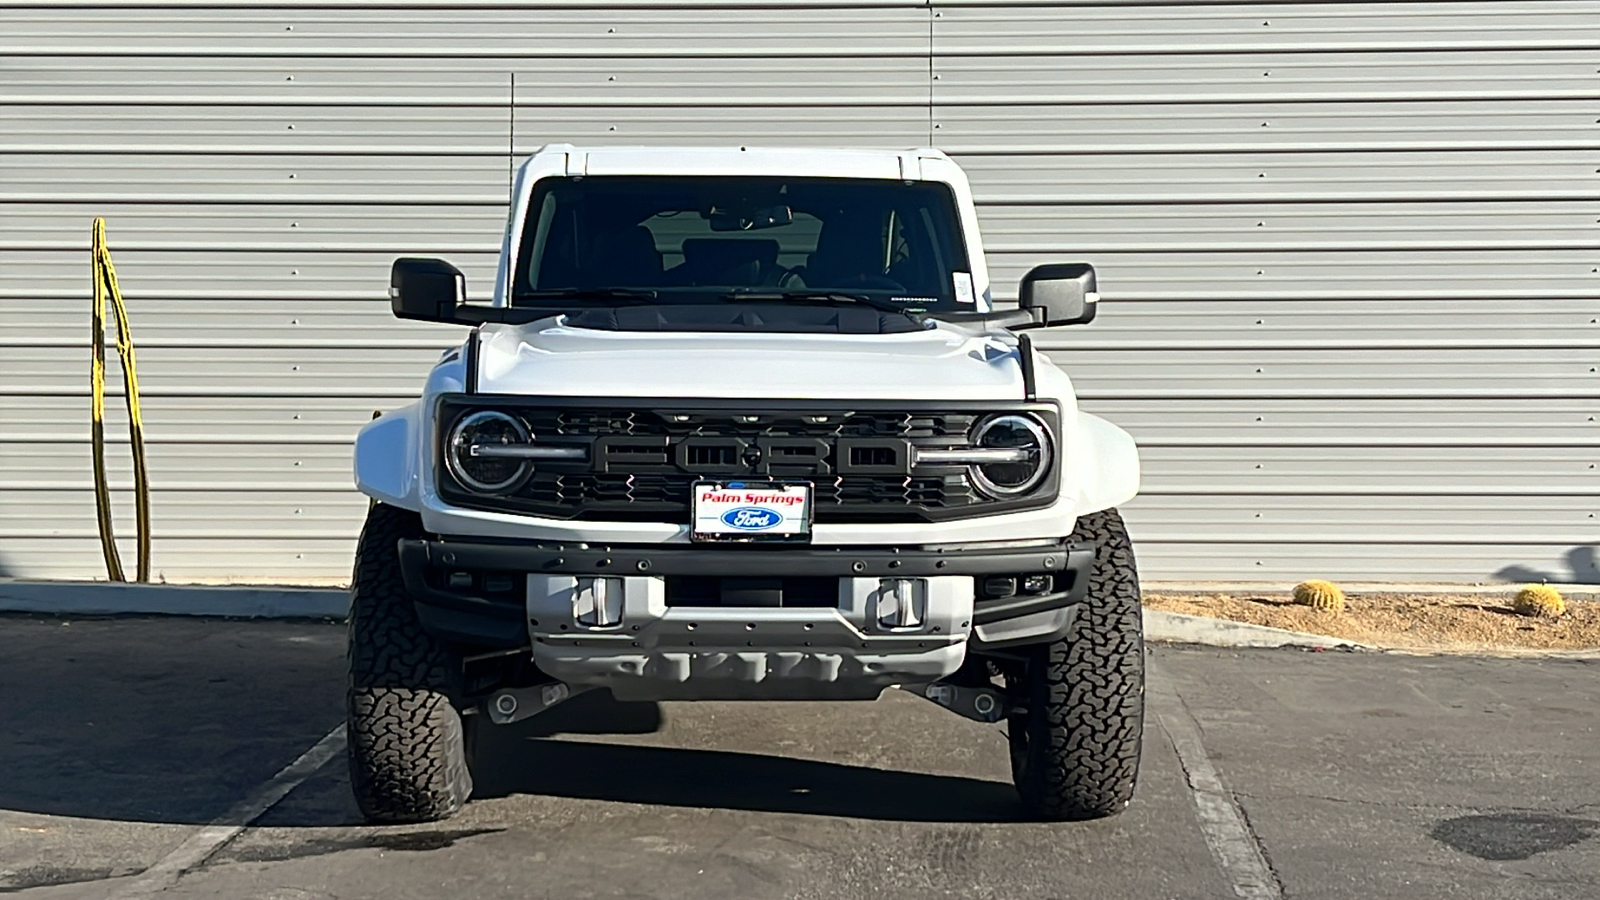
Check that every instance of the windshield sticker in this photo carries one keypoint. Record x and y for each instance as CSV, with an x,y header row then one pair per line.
x,y
922,300
963,285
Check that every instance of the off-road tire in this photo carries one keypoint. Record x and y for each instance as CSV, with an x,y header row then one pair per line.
x,y
1075,743
408,760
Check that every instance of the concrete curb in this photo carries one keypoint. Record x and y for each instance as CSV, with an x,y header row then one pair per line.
x,y
1502,653
1178,628
100,598
1160,625
1583,592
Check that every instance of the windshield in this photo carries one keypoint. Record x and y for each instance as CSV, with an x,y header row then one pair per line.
x,y
707,238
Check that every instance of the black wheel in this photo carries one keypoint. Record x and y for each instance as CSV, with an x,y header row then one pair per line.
x,y
1075,743
408,760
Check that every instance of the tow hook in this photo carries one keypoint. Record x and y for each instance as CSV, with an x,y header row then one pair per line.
x,y
516,704
979,704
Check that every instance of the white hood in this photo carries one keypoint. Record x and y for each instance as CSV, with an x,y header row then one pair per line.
x,y
551,358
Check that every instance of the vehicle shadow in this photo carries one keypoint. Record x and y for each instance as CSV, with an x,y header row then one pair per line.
x,y
1583,565
175,719
591,712
521,759
158,719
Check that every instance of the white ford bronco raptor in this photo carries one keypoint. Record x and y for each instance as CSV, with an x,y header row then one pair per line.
x,y
743,425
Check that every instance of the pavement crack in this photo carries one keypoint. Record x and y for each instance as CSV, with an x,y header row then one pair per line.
x,y
1261,847
1356,801
1416,807
1235,847
815,848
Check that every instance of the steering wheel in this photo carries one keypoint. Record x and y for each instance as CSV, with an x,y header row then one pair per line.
x,y
789,274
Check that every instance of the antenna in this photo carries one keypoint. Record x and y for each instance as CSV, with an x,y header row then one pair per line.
x,y
511,137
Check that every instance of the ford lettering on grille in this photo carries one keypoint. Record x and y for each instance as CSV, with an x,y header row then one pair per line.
x,y
751,518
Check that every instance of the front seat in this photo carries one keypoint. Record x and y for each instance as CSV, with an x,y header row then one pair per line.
x,y
849,254
727,262
624,256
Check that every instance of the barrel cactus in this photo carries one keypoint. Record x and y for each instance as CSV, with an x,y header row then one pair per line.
x,y
1319,595
1540,601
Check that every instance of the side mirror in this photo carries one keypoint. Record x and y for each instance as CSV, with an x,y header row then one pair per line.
x,y
430,290
1060,294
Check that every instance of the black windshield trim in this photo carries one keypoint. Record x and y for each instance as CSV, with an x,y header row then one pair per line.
x,y
759,317
829,297
617,293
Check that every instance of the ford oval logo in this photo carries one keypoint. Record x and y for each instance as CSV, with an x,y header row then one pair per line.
x,y
751,518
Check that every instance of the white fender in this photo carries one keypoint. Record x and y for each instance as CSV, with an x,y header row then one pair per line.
x,y
387,458
1104,462
392,449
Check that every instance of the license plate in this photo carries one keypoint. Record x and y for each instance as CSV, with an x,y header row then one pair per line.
x,y
750,510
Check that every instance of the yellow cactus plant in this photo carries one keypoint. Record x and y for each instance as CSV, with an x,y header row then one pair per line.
x,y
1540,601
1319,595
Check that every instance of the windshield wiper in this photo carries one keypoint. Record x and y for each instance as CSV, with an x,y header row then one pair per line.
x,y
639,295
809,296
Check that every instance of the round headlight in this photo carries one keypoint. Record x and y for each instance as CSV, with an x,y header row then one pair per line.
x,y
1029,439
486,429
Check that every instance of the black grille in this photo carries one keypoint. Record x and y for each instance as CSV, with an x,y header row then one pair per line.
x,y
641,464
598,422
646,497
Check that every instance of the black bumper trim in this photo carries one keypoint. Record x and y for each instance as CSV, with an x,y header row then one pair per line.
x,y
988,612
471,619
460,617
741,562
472,627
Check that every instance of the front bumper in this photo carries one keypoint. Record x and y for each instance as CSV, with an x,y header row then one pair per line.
x,y
653,645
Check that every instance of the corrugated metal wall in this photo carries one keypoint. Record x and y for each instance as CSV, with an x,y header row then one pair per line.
x,y
1350,251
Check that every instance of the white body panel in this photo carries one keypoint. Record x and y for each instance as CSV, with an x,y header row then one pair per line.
x,y
1100,467
552,358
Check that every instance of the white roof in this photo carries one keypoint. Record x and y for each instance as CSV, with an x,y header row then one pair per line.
x,y
740,161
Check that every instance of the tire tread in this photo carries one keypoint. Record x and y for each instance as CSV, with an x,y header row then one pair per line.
x,y
1077,754
406,749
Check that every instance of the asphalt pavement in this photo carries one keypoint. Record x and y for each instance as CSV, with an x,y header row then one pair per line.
x,y
1347,775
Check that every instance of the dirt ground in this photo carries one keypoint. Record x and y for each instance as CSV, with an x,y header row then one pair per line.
x,y
1410,621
